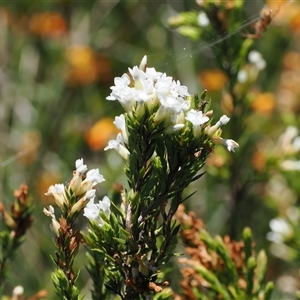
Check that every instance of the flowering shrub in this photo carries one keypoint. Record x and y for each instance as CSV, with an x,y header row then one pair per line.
x,y
119,238
165,137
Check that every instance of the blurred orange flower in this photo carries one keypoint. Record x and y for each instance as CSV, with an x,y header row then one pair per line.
x,y
295,22
86,66
42,183
258,160
264,103
47,24
213,80
29,145
100,133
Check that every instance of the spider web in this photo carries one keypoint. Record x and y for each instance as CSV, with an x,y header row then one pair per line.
x,y
184,53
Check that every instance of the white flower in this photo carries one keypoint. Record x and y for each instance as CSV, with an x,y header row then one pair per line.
x,y
281,230
93,177
80,167
223,121
121,124
122,92
290,165
242,76
288,142
92,210
79,186
256,58
57,191
230,144
49,212
203,19
197,119
118,145
150,88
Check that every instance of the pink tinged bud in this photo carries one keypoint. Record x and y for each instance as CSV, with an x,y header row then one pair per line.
x,y
230,145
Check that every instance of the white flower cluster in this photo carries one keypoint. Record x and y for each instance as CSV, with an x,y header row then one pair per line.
x,y
147,86
84,189
163,96
256,64
283,230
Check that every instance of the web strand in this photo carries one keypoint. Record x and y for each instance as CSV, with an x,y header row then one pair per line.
x,y
191,51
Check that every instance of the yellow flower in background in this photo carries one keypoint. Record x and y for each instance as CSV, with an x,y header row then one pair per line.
x,y
49,24
86,66
213,80
100,133
263,103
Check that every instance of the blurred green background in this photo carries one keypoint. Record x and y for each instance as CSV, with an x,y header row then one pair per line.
x,y
58,60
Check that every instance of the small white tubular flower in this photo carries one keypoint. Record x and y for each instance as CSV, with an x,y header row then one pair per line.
x,y
123,93
80,187
197,119
118,145
230,144
105,205
121,124
92,210
57,191
93,177
80,167
77,175
50,213
223,121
